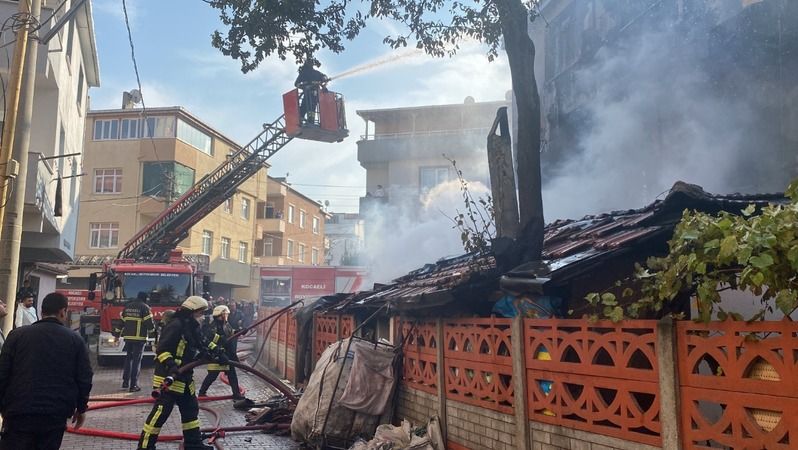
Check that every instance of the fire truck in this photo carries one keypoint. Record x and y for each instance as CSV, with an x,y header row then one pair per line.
x,y
149,263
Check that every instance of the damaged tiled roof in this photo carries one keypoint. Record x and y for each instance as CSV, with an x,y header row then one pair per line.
x,y
567,243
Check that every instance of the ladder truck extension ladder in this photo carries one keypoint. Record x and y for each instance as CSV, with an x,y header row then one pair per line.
x,y
154,242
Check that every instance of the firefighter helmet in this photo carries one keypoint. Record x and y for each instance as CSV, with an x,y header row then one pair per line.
x,y
221,309
195,303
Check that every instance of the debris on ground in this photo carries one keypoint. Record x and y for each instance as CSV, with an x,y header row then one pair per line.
x,y
404,437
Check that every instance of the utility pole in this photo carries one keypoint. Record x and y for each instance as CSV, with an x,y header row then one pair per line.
x,y
17,132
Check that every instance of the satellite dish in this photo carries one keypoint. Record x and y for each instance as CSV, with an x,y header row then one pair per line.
x,y
326,203
135,96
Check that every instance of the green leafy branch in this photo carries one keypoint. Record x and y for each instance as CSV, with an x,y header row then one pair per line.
x,y
475,223
756,251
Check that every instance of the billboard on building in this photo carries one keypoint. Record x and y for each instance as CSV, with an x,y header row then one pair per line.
x,y
282,285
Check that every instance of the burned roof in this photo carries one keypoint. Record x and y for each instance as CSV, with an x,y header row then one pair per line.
x,y
570,246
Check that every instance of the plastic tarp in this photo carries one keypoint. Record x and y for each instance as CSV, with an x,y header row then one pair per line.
x,y
320,402
371,381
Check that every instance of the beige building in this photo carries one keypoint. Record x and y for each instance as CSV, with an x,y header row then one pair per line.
x,y
136,167
403,149
67,67
290,228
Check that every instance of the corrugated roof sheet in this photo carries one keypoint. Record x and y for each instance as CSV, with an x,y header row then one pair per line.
x,y
566,244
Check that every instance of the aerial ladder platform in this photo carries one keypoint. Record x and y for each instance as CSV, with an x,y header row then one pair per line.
x,y
325,122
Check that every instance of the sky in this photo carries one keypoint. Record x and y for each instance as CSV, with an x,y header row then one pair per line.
x,y
179,67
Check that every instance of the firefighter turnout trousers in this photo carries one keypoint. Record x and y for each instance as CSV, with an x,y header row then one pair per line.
x,y
189,411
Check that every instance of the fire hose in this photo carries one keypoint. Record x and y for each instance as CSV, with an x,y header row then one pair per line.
x,y
215,431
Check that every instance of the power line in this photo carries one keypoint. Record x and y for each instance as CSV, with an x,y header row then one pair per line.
x,y
329,185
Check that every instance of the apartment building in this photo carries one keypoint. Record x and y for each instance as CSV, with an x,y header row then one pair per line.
x,y
346,237
137,166
290,228
67,67
406,151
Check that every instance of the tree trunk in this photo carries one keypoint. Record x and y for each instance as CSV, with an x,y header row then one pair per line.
x,y
514,17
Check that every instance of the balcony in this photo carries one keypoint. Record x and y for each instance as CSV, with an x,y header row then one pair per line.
x,y
273,225
419,145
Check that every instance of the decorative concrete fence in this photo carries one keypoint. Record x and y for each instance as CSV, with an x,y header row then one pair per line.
x,y
572,384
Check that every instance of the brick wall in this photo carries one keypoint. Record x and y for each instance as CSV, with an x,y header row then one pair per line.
x,y
415,406
479,428
555,437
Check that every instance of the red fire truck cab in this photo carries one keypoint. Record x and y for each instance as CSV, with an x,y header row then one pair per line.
x,y
166,286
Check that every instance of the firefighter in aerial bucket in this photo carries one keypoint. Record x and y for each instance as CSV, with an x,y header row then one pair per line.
x,y
180,343
310,81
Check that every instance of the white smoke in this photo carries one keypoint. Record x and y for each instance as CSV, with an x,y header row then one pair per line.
x,y
403,237
654,117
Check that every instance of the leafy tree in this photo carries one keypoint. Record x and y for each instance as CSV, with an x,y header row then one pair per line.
x,y
709,254
261,28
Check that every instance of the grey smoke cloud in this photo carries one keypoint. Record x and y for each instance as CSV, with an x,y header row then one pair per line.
x,y
655,117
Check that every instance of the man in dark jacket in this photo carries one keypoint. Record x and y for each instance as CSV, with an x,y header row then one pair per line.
x,y
137,326
45,378
180,343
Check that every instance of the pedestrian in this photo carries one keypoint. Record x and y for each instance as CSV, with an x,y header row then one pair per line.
x,y
218,334
45,378
180,343
26,290
236,319
26,312
137,327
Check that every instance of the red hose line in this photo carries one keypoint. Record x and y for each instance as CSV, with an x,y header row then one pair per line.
x,y
111,402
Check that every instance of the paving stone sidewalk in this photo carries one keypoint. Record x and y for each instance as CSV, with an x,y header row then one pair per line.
x,y
129,419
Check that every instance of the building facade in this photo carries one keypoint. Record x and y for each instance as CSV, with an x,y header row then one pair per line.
x,y
290,228
136,167
66,68
346,237
729,55
408,151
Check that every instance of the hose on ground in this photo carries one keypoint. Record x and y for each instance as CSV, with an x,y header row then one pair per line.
x,y
110,402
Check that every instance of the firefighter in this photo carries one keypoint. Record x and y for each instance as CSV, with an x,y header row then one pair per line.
x,y
309,80
218,333
137,326
179,344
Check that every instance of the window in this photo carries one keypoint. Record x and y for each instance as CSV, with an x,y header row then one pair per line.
x,y
228,206
269,210
207,242
61,147
302,218
194,137
290,213
314,256
166,179
107,181
80,89
245,208
158,127
130,129
268,247
106,129
70,41
315,225
290,249
225,249
104,235
243,252
301,252
431,177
